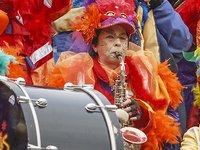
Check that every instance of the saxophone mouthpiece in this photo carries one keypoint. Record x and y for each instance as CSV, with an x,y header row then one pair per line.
x,y
118,54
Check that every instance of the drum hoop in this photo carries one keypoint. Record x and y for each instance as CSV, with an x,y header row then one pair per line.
x,y
35,118
105,114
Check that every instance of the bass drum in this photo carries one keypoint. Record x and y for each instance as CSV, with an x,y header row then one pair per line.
x,y
74,118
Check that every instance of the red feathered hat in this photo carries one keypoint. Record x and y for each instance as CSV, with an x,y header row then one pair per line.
x,y
106,13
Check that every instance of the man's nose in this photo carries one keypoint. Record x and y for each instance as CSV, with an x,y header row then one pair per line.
x,y
117,42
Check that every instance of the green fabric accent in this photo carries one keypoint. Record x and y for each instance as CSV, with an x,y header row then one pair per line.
x,y
4,62
197,54
189,56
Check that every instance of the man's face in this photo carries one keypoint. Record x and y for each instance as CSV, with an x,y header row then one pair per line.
x,y
112,39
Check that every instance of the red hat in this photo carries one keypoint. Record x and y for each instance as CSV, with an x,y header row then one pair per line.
x,y
3,21
106,13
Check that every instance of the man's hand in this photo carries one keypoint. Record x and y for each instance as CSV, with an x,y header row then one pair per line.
x,y
133,109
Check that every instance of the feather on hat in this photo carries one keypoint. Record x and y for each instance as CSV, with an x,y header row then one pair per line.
x,y
102,14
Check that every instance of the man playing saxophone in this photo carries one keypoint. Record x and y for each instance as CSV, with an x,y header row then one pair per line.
x,y
119,72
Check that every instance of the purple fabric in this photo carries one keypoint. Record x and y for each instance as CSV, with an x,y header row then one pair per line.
x,y
68,41
72,41
168,147
171,112
187,77
172,146
188,98
88,2
105,86
9,29
186,72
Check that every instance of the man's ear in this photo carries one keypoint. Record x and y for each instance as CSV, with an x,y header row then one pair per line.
x,y
94,48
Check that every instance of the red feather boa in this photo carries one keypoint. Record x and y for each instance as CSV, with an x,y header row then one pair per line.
x,y
140,91
136,82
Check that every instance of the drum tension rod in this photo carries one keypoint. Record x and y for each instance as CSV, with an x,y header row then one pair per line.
x,y
19,80
33,147
41,102
70,86
91,107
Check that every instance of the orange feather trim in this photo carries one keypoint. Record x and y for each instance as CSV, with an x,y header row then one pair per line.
x,y
88,23
56,79
164,130
16,70
172,83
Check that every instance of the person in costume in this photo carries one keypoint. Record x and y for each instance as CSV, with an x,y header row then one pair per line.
x,y
191,139
166,25
167,36
188,10
162,45
153,22
147,80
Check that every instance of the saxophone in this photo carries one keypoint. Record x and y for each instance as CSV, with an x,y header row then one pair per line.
x,y
120,92
121,95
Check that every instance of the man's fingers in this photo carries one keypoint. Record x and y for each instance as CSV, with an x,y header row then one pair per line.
x,y
135,112
133,109
135,118
127,109
126,103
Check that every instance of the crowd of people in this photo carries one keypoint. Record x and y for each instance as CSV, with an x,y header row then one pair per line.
x,y
89,42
